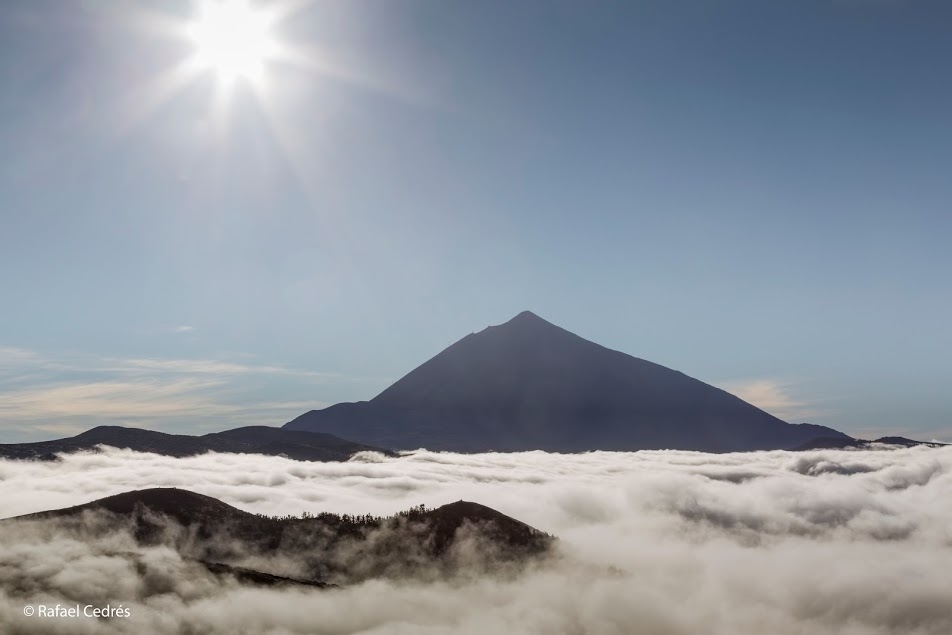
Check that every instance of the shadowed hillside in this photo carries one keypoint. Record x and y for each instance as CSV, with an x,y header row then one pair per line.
x,y
324,548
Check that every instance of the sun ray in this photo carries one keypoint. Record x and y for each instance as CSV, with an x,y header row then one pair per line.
x,y
160,89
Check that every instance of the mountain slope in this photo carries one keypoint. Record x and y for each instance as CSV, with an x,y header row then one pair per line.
x,y
294,444
530,385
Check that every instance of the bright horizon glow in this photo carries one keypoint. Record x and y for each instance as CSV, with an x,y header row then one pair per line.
x,y
232,38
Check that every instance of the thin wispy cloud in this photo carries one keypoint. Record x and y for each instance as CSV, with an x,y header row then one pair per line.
x,y
779,398
109,399
16,362
43,394
10,354
206,366
25,360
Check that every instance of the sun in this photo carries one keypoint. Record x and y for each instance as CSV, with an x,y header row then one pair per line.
x,y
232,38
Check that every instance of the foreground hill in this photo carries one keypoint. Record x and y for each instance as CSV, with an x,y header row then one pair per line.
x,y
530,385
312,549
294,444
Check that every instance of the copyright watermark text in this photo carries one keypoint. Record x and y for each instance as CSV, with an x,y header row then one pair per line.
x,y
76,610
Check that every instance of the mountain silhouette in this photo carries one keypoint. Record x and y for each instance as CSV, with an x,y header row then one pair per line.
x,y
530,385
294,444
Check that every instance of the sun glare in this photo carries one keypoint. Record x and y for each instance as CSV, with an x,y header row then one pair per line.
x,y
232,38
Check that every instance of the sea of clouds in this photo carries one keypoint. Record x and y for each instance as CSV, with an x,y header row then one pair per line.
x,y
661,543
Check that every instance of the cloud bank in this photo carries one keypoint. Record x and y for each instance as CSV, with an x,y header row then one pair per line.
x,y
652,542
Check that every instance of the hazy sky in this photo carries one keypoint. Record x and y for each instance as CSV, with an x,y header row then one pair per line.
x,y
755,193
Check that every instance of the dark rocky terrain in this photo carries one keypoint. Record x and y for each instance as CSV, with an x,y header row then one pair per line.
x,y
530,385
294,444
322,549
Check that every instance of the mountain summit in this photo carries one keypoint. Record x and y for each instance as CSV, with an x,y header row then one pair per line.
x,y
531,385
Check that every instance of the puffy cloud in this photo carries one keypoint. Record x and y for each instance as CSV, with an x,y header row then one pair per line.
x,y
657,542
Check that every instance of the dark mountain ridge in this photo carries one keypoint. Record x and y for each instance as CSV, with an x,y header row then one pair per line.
x,y
324,548
530,385
838,443
294,444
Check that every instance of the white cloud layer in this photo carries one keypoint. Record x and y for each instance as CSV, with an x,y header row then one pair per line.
x,y
667,543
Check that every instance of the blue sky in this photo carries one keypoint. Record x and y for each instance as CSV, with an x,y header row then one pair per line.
x,y
754,193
